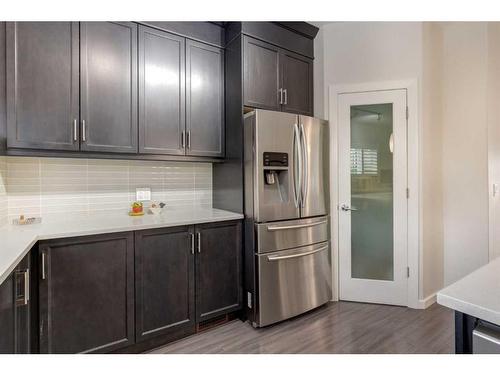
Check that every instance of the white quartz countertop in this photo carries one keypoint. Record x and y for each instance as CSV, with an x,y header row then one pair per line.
x,y
17,240
477,294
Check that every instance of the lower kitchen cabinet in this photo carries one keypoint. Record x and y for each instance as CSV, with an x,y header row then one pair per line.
x,y
86,293
15,310
164,282
121,292
218,269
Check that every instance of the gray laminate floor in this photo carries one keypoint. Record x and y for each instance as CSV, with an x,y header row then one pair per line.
x,y
340,327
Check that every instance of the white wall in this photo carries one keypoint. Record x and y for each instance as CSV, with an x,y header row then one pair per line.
x,y
432,257
494,135
358,52
465,148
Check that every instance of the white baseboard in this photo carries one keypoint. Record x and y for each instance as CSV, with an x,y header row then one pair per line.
x,y
426,302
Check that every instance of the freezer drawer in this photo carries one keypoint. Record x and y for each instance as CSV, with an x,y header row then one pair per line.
x,y
292,282
486,339
281,235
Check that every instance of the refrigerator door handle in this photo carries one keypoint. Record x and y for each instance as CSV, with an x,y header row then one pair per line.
x,y
297,158
305,172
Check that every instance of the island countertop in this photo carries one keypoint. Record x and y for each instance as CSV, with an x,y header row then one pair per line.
x,y
17,240
477,294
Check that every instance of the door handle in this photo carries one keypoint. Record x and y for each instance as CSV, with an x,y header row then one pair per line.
x,y
192,242
286,96
44,275
199,242
305,161
281,95
274,258
297,226
183,139
188,136
297,177
345,207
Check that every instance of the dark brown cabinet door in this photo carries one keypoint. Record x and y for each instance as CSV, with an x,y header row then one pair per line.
x,y
204,100
86,293
261,79
15,320
218,269
42,85
7,316
108,73
297,83
161,92
164,271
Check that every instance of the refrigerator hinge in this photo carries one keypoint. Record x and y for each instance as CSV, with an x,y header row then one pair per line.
x,y
408,272
407,113
407,193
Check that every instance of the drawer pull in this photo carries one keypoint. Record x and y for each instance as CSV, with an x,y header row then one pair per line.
x,y
274,258
297,226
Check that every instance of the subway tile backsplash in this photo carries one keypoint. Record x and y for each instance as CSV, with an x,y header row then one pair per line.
x,y
57,187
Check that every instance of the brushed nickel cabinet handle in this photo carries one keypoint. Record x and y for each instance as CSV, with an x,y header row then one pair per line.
x,y
189,139
281,95
192,242
24,299
286,96
44,275
183,139
75,130
199,242
84,131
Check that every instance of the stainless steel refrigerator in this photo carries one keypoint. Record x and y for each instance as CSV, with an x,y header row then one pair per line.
x,y
287,241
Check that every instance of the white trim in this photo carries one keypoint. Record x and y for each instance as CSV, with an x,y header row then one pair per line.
x,y
426,302
414,179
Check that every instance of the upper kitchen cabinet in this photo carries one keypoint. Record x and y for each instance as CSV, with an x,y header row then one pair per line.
x,y
161,92
42,85
108,74
276,79
204,100
296,83
261,75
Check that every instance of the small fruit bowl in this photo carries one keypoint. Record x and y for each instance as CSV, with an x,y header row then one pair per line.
x,y
136,209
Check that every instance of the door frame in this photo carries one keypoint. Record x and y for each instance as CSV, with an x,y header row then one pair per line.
x,y
414,181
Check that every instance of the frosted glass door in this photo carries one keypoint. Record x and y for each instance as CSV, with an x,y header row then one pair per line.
x,y
372,244
372,197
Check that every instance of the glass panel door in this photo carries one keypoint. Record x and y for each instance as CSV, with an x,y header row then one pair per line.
x,y
372,245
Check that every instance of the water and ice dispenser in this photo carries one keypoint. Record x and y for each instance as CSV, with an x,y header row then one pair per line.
x,y
276,175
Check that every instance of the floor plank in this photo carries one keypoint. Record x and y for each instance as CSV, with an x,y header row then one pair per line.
x,y
340,327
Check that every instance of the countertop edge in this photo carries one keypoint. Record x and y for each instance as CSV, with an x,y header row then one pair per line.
x,y
469,308
35,237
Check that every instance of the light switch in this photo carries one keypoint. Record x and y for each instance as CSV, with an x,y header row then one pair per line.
x,y
142,194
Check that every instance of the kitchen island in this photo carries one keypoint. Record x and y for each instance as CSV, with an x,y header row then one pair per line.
x,y
476,301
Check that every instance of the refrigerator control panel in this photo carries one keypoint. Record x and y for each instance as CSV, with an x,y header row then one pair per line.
x,y
275,159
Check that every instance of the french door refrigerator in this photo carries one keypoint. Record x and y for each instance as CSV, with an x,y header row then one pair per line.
x,y
287,243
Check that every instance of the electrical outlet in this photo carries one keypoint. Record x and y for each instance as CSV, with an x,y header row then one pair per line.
x,y
142,194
